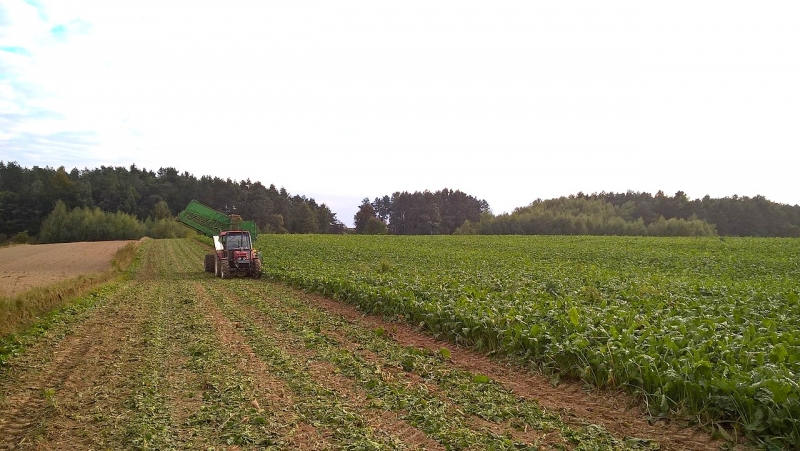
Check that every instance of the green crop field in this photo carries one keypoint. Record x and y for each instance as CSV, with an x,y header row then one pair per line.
x,y
706,327
162,355
166,356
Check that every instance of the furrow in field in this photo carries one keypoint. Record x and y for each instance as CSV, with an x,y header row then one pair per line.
x,y
411,403
64,392
148,421
272,397
274,400
497,410
189,393
617,412
231,396
577,408
323,397
508,407
385,377
149,262
511,425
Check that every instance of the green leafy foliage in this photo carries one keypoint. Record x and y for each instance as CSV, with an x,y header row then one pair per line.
x,y
698,325
86,224
641,213
586,216
28,195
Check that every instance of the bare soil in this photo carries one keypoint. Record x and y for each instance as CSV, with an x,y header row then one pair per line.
x,y
618,412
28,266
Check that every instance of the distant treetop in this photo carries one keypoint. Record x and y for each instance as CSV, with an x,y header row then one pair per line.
x,y
629,213
27,196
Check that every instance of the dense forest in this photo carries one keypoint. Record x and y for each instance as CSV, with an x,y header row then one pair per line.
x,y
583,216
27,197
630,213
732,216
420,213
101,196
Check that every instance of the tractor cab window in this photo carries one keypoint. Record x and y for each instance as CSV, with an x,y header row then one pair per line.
x,y
237,242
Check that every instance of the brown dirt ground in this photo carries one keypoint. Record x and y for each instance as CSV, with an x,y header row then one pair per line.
x,y
85,370
28,266
618,412
275,396
387,422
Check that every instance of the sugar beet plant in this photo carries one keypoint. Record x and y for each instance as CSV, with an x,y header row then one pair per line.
x,y
707,327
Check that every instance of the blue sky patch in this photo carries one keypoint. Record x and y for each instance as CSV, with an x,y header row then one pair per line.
x,y
39,8
59,31
62,32
17,50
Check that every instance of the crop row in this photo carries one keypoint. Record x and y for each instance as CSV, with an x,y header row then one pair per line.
x,y
300,343
701,326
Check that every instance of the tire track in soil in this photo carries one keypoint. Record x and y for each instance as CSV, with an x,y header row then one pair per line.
x,y
199,326
97,392
619,413
82,373
82,380
162,397
388,372
173,358
275,397
318,372
270,394
527,435
327,375
546,438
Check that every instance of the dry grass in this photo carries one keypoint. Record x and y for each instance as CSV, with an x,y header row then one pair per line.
x,y
20,311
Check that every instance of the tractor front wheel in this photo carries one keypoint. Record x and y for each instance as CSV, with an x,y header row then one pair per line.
x,y
209,262
224,269
257,268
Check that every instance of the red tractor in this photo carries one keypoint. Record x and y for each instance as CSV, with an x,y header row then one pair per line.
x,y
234,254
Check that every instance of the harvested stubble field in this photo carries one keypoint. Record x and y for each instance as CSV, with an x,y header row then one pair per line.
x,y
25,266
172,358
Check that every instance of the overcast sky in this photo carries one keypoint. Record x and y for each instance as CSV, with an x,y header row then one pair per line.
x,y
341,100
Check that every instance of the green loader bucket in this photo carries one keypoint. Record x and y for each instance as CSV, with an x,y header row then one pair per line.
x,y
211,222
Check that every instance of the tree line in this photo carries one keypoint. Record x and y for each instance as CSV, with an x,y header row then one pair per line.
x,y
418,213
604,213
29,195
581,216
93,224
732,216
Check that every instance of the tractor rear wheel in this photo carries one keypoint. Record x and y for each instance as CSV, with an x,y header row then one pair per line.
x,y
257,268
209,262
224,269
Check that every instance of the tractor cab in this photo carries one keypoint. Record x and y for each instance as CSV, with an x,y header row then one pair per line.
x,y
235,240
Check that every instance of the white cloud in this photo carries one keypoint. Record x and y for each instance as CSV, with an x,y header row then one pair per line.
x,y
506,101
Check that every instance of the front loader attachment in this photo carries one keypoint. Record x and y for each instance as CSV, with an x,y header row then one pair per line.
x,y
211,222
